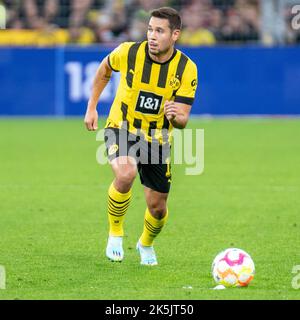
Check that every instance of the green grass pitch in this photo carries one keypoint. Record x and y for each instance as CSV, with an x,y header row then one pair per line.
x,y
53,223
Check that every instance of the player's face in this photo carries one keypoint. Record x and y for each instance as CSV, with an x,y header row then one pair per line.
x,y
160,37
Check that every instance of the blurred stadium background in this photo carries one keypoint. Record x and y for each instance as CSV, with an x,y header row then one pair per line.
x,y
206,22
247,53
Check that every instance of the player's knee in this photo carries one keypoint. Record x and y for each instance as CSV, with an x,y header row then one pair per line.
x,y
158,209
126,176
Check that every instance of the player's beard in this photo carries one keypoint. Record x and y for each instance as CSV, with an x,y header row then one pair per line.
x,y
159,53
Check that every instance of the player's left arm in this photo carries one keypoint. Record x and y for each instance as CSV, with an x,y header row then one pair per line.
x,y
178,111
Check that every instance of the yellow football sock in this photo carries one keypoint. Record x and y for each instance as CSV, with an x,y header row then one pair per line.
x,y
152,228
118,204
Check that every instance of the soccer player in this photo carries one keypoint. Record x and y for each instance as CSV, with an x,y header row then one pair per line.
x,y
155,94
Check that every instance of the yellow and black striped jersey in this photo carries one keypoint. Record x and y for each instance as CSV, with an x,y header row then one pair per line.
x,y
144,87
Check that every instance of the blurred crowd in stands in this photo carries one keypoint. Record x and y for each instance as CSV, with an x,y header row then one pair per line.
x,y
205,22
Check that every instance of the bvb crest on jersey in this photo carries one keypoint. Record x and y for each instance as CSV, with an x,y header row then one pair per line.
x,y
174,82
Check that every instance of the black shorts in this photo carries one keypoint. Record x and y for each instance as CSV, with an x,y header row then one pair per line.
x,y
153,159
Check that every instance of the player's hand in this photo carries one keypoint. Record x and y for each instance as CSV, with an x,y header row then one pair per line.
x,y
91,120
171,110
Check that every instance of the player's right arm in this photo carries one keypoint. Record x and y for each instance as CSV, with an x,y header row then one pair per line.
x,y
102,77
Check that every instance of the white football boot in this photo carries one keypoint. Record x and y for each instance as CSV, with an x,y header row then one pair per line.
x,y
114,249
148,256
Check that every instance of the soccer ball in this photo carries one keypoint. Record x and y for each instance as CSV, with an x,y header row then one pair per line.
x,y
233,268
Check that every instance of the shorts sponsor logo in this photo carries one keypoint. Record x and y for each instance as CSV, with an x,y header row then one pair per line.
x,y
113,149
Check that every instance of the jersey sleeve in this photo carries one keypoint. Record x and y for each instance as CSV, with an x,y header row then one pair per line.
x,y
187,90
114,58
117,59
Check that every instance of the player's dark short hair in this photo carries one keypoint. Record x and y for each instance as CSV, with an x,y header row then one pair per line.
x,y
170,14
